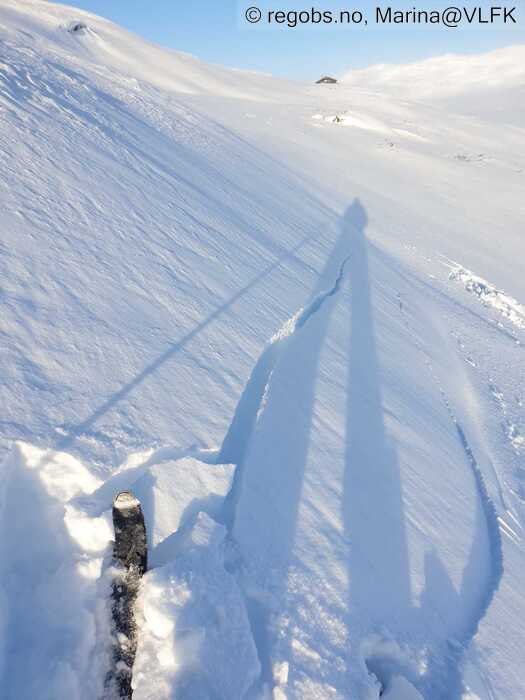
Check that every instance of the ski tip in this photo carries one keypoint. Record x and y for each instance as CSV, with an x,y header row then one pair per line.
x,y
126,500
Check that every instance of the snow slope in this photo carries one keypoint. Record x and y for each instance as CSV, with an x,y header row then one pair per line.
x,y
297,338
491,85
451,74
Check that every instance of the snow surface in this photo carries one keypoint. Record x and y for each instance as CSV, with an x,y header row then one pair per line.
x,y
490,84
243,310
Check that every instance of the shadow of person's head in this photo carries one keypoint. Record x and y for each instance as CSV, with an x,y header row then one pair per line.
x,y
355,218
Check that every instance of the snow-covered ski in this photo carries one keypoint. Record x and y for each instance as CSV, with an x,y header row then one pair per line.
x,y
130,559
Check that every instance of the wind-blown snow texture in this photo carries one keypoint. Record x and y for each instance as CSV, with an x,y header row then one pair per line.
x,y
217,294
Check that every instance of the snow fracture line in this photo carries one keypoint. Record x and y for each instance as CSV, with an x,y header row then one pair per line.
x,y
490,514
235,443
493,529
130,558
495,544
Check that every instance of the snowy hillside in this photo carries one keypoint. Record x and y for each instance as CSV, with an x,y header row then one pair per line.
x,y
447,75
491,85
291,319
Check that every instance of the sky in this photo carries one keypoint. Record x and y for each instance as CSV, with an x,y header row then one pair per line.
x,y
216,31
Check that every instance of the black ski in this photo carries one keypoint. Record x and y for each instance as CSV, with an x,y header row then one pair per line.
x,y
130,556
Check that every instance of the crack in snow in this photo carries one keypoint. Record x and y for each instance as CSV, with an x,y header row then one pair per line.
x,y
235,443
458,648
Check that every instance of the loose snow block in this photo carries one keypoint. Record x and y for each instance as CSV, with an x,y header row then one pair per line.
x,y
196,640
52,556
173,493
401,689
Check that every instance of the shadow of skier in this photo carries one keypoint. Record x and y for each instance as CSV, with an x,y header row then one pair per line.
x,y
373,513
375,523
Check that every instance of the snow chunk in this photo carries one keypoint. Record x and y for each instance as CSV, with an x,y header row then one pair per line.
x,y
62,475
173,493
54,588
52,618
196,639
401,689
281,670
489,295
92,534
